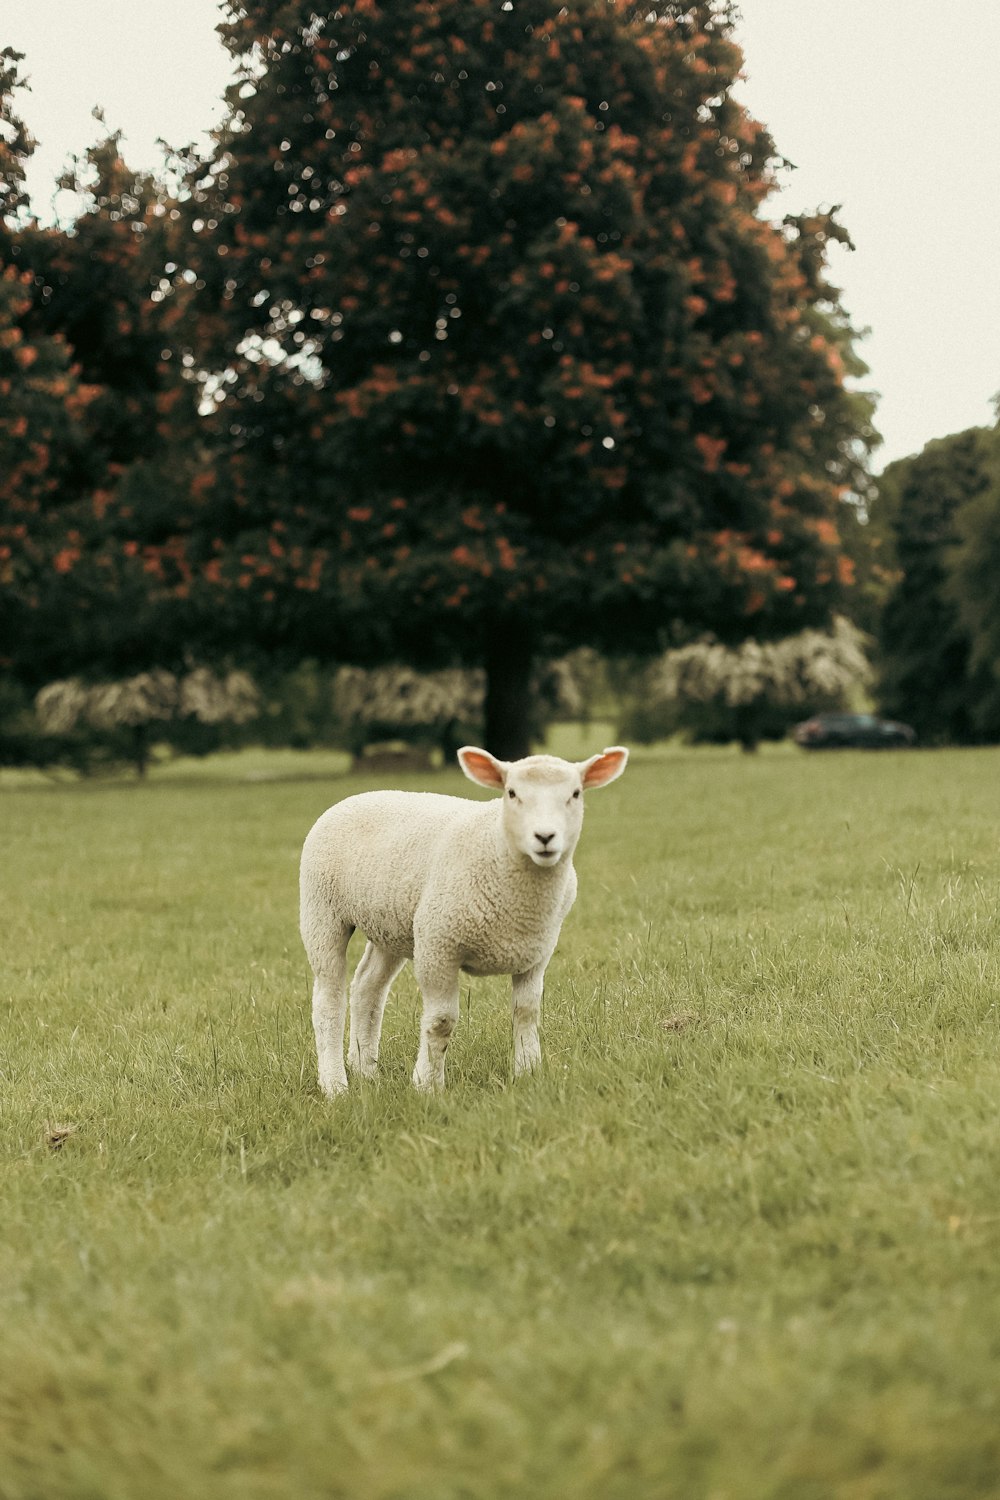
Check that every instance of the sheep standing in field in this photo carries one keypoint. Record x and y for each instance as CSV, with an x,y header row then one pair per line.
x,y
456,885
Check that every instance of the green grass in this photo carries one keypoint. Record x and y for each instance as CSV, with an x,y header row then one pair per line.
x,y
738,1239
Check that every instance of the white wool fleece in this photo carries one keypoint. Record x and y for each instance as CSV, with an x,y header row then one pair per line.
x,y
456,885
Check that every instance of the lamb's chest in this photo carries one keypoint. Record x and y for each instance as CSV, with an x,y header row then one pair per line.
x,y
514,932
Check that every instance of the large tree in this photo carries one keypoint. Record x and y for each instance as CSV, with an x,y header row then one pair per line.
x,y
930,674
500,354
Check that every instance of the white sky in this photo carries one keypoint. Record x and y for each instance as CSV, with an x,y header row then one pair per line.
x,y
888,107
892,109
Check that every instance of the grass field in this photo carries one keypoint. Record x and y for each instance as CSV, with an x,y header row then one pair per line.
x,y
738,1239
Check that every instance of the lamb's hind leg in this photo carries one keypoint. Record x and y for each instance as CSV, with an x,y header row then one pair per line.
x,y
369,991
329,1008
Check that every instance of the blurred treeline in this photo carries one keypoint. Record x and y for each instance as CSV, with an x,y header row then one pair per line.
x,y
923,646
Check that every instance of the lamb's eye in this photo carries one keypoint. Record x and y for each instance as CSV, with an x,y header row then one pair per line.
x,y
577,792
511,794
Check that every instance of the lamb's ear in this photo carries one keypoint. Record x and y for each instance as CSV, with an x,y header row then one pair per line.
x,y
482,767
600,769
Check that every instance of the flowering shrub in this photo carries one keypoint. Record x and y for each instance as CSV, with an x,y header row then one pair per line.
x,y
398,703
123,715
752,691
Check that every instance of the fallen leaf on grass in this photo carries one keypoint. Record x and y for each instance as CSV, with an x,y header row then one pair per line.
x,y
55,1135
681,1021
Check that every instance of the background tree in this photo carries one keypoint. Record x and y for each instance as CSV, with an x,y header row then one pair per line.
x,y
929,674
89,296
44,459
974,568
869,542
502,356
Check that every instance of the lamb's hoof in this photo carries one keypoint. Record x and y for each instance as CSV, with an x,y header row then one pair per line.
x,y
332,1088
365,1070
427,1084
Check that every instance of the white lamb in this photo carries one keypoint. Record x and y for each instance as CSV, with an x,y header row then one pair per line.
x,y
456,885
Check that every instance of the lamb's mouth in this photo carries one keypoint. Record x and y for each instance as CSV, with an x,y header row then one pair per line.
x,y
545,854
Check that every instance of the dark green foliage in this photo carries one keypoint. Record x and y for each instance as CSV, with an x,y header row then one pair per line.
x,y
930,675
646,723
24,743
870,545
97,431
975,572
97,285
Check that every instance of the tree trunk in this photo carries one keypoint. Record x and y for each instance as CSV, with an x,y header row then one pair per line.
x,y
747,728
508,693
140,749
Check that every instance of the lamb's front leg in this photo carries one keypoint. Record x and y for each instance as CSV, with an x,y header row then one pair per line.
x,y
527,1005
438,981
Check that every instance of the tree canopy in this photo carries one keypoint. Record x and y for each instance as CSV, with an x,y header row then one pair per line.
x,y
496,353
501,353
937,664
974,567
43,406
93,398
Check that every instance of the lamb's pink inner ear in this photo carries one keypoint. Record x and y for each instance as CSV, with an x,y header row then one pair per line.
x,y
604,767
480,766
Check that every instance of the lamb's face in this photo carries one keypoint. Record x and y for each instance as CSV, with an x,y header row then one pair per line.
x,y
542,797
543,808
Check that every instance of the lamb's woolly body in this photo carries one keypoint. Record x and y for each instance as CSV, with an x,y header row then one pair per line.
x,y
451,883
409,868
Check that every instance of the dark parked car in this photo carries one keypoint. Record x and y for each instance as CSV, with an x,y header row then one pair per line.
x,y
857,731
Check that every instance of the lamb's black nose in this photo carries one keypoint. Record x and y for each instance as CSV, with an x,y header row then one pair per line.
x,y
545,838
